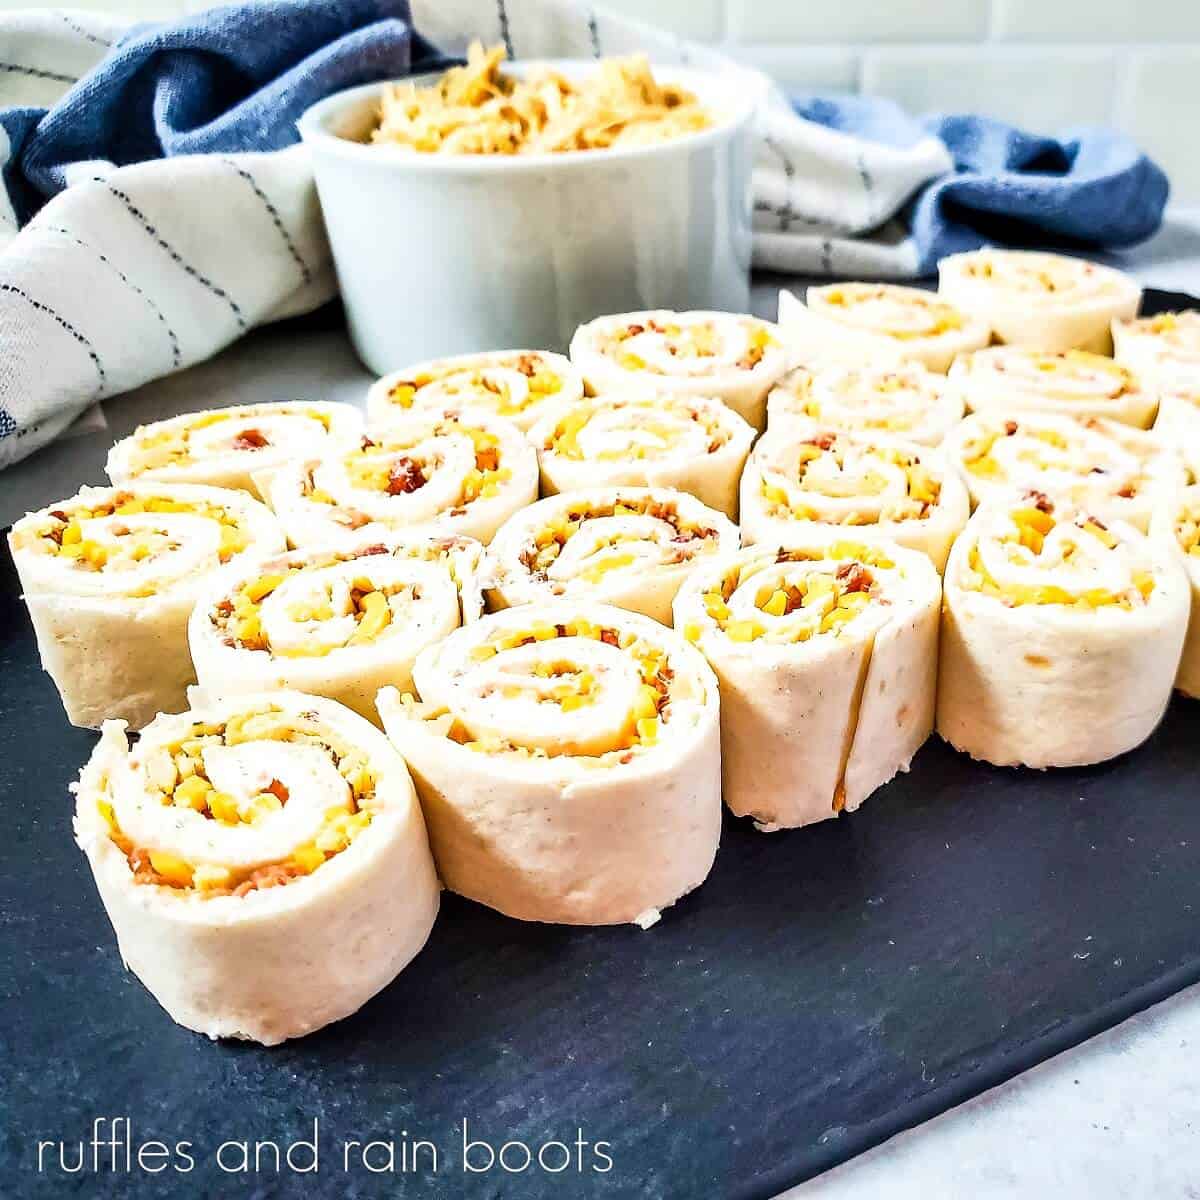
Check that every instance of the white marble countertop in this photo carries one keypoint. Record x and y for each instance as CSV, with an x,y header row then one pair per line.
x,y
1116,1117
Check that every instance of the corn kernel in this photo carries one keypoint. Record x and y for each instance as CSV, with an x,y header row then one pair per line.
x,y
308,858
173,869
192,793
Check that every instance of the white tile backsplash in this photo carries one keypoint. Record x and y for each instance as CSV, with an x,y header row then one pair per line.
x,y
1131,64
1160,103
855,20
804,68
1114,21
1042,88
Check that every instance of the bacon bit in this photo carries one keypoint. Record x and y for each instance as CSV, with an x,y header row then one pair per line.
x,y
487,460
353,519
55,535
250,439
626,758
404,476
855,577
609,637
1098,523
59,515
656,326
1040,501
276,875
278,790
750,359
561,630
224,608
1010,427
527,364
367,443
377,548
634,330
822,441
1127,492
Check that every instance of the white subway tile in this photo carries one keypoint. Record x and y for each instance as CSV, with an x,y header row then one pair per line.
x,y
803,68
1096,20
699,19
1040,88
1159,107
857,20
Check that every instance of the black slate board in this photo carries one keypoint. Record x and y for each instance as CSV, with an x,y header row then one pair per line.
x,y
823,990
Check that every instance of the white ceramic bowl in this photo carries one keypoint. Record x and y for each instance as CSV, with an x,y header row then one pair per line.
x,y
448,254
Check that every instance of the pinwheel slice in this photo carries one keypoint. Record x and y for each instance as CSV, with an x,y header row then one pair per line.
x,y
440,470
826,653
1177,522
518,385
735,358
226,447
336,622
1061,635
880,324
871,489
1039,300
1071,382
627,546
110,577
645,439
1165,348
1110,468
902,400
568,759
262,859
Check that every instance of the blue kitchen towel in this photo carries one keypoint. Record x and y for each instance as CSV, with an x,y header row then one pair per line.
x,y
1092,189
226,80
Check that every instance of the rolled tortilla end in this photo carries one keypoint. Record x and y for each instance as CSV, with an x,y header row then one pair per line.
x,y
826,654
1061,635
1072,383
229,447
1043,301
567,756
447,470
339,622
1112,469
871,489
110,578
734,358
263,862
903,400
883,324
628,546
694,444
517,385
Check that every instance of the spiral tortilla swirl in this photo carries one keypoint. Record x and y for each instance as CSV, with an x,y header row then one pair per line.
x,y
262,859
826,653
110,577
337,622
567,755
518,385
628,546
875,489
1061,634
440,470
734,358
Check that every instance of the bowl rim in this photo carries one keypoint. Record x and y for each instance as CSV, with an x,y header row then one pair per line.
x,y
740,107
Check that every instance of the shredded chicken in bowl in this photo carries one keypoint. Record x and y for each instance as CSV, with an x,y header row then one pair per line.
x,y
477,109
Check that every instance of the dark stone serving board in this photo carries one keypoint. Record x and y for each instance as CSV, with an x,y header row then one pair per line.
x,y
823,990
